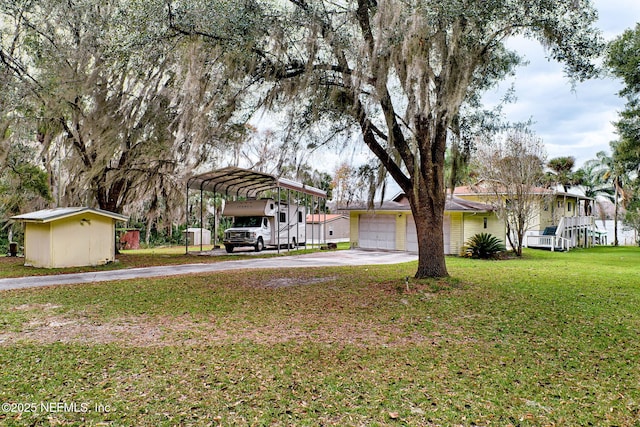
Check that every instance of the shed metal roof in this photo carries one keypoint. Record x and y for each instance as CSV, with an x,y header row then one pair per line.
x,y
248,183
48,215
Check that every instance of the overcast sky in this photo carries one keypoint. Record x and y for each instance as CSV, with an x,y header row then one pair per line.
x,y
574,123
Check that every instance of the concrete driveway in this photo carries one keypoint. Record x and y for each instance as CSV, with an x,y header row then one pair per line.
x,y
320,259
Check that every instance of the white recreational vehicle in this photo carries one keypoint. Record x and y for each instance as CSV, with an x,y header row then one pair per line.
x,y
264,222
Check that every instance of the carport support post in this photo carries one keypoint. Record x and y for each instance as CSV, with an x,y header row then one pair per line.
x,y
186,221
288,220
278,223
296,219
310,210
201,215
324,227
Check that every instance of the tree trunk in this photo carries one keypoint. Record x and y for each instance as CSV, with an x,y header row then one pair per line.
x,y
430,234
428,198
615,218
147,237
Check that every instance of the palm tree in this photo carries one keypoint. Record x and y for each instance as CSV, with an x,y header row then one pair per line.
x,y
562,172
615,174
591,178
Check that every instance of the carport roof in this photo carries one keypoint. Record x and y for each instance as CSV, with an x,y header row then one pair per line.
x,y
248,183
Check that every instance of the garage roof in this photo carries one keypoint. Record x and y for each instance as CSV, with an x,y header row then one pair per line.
x,y
247,183
48,215
400,203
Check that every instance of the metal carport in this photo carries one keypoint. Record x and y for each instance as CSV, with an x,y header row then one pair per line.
x,y
238,182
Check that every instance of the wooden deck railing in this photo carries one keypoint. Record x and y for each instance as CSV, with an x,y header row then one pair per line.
x,y
549,242
567,234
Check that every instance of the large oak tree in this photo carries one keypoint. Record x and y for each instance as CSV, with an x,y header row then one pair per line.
x,y
120,112
399,71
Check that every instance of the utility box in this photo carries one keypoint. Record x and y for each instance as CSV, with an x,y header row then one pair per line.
x,y
198,236
130,239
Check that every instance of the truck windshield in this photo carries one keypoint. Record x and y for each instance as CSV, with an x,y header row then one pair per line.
x,y
247,221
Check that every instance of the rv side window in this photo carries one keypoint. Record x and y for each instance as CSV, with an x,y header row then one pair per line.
x,y
299,216
283,217
264,222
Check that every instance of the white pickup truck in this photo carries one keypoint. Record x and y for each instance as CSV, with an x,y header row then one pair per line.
x,y
264,223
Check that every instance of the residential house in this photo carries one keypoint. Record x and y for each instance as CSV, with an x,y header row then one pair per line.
x,y
560,221
390,226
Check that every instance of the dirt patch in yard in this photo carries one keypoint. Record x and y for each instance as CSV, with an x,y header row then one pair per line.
x,y
171,331
285,282
30,307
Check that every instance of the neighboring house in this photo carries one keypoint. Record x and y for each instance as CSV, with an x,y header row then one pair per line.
x,y
329,228
69,237
559,222
391,226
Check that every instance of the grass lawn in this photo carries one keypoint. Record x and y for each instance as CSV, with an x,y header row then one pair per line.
x,y
552,339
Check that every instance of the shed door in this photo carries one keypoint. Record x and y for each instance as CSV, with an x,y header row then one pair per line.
x,y
377,231
412,236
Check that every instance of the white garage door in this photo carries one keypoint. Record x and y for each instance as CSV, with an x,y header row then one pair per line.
x,y
377,232
412,236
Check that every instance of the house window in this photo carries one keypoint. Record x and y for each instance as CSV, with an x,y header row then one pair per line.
x,y
569,207
485,222
299,216
283,217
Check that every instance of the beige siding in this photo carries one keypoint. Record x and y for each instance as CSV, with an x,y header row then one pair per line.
x,y
86,239
456,233
474,224
401,232
37,245
315,232
545,217
340,229
337,230
354,226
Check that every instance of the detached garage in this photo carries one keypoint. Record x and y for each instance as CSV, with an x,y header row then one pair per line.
x,y
69,237
327,228
391,225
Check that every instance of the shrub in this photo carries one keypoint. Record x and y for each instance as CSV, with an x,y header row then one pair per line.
x,y
485,246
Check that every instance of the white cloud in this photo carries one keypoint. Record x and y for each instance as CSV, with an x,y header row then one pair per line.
x,y
572,121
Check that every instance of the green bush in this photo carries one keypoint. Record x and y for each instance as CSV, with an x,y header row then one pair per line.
x,y
485,246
